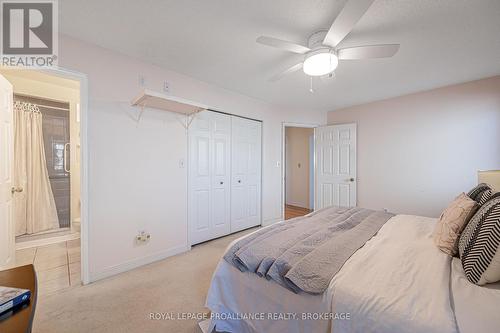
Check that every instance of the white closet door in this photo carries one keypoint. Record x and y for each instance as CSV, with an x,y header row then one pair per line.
x,y
335,166
246,174
221,175
209,176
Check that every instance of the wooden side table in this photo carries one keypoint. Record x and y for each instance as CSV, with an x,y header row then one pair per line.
x,y
20,320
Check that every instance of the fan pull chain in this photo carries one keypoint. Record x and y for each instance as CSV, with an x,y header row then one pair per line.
x,y
311,88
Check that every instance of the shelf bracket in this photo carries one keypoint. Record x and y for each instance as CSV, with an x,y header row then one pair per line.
x,y
141,111
190,118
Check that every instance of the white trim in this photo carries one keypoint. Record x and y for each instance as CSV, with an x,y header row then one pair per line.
x,y
134,263
188,183
262,222
271,221
84,167
283,160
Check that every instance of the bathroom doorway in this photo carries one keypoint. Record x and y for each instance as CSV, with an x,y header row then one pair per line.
x,y
46,186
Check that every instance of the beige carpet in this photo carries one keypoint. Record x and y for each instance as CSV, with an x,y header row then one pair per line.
x,y
123,303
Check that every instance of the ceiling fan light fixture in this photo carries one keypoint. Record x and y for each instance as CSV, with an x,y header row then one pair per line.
x,y
320,62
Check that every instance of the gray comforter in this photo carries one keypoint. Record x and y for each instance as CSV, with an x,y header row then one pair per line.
x,y
305,253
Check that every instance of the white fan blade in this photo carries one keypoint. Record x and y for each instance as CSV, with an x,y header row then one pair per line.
x,y
346,20
282,44
292,69
369,51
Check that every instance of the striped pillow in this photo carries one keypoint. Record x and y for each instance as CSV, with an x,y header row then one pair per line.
x,y
476,193
484,196
479,244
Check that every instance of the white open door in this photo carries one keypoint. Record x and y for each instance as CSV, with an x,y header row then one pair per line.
x,y
7,235
335,166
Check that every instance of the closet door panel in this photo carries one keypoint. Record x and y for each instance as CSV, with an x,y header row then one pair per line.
x,y
253,201
209,176
254,173
239,208
202,204
199,179
239,194
246,174
221,176
202,146
220,206
221,123
220,156
239,159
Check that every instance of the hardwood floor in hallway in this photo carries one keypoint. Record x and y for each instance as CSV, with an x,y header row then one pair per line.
x,y
294,211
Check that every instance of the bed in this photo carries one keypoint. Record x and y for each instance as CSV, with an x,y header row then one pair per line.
x,y
397,282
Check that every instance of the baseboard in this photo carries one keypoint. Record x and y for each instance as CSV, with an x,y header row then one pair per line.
x,y
131,264
297,205
271,221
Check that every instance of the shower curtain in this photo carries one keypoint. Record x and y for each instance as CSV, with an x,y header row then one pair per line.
x,y
34,207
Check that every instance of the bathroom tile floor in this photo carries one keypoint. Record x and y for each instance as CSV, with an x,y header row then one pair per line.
x,y
57,265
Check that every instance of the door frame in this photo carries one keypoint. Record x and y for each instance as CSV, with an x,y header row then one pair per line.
x,y
284,125
84,167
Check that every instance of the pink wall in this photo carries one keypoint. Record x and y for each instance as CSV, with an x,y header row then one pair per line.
x,y
137,179
416,152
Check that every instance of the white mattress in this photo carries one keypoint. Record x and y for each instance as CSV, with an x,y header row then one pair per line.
x,y
398,282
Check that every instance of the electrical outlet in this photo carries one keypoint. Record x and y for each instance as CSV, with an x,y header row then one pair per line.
x,y
142,238
166,87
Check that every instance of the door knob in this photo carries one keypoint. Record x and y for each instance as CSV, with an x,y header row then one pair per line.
x,y
350,179
222,183
239,180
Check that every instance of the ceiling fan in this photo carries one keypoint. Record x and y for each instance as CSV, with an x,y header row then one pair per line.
x,y
321,55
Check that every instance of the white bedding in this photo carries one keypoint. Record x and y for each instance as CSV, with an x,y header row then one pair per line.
x,y
476,307
397,282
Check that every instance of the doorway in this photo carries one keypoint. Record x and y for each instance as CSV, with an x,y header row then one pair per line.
x,y
46,150
298,170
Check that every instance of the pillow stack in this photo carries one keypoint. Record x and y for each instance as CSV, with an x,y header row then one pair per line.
x,y
479,244
470,225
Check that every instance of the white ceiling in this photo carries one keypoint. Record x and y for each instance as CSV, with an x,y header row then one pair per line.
x,y
442,42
